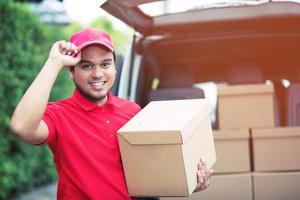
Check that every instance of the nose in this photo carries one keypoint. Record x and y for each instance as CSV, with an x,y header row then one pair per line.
x,y
97,72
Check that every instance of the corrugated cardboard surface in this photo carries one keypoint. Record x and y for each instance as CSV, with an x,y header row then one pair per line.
x,y
245,106
224,187
276,149
152,170
157,162
277,186
233,151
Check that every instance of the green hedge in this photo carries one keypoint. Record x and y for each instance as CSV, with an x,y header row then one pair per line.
x,y
25,43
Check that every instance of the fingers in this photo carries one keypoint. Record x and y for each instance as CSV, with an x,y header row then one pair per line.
x,y
203,174
72,60
208,172
67,48
200,182
77,57
64,53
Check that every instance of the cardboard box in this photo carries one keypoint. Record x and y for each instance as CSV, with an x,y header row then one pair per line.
x,y
233,151
277,186
161,145
224,187
276,149
245,106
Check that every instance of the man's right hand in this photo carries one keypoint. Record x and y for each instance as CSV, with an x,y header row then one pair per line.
x,y
64,53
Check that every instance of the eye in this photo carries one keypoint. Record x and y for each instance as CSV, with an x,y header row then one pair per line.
x,y
105,65
86,66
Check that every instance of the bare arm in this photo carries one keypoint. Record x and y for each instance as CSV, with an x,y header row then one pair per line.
x,y
26,122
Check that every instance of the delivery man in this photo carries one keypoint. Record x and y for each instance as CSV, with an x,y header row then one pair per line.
x,y
81,131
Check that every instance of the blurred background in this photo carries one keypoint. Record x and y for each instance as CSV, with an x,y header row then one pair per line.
x,y
27,31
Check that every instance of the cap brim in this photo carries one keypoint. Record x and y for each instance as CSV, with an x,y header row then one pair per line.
x,y
83,45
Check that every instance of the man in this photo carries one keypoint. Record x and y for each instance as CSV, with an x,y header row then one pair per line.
x,y
81,131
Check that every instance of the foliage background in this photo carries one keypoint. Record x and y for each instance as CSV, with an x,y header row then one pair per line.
x,y
25,43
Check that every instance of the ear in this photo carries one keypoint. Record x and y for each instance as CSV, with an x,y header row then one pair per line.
x,y
71,72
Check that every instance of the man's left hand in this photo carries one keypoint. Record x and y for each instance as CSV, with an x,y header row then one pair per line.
x,y
203,175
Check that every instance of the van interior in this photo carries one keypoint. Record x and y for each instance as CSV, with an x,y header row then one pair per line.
x,y
232,52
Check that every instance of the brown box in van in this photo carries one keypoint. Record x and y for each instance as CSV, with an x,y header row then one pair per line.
x,y
277,186
161,145
245,106
276,149
233,151
224,187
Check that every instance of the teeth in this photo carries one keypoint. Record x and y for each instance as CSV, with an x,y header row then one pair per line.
x,y
98,83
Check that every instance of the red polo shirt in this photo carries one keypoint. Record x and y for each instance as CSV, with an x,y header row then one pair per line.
x,y
83,139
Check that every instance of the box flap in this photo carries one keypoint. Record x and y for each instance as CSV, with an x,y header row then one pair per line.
x,y
278,132
166,122
245,89
232,134
149,137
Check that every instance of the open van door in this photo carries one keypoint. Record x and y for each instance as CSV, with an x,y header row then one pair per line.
x,y
240,45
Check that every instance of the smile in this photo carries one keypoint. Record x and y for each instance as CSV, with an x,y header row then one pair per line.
x,y
98,83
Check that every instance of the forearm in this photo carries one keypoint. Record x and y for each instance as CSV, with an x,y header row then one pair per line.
x,y
31,107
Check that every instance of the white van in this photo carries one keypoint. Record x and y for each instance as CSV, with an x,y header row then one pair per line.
x,y
192,48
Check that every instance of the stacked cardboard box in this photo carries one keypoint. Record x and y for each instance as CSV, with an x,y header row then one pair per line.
x,y
233,151
245,106
276,163
274,159
276,149
224,187
276,185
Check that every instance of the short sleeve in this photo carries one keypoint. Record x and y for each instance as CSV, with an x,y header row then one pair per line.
x,y
50,117
136,108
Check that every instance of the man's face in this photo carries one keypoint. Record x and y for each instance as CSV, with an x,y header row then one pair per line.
x,y
95,74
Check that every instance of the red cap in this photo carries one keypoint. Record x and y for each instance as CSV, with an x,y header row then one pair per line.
x,y
90,36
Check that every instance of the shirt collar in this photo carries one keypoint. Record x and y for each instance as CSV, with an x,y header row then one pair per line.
x,y
88,105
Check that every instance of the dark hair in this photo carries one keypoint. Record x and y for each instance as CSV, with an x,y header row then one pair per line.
x,y
115,56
